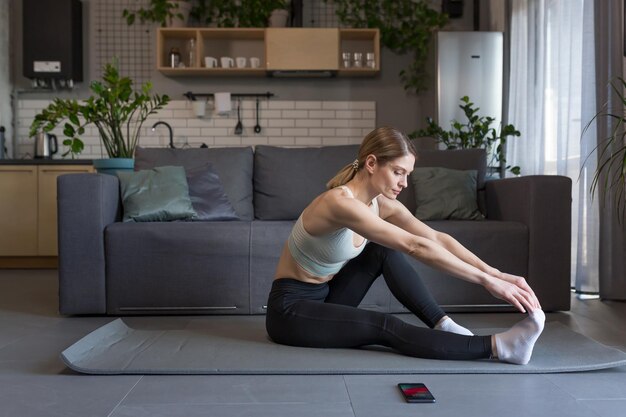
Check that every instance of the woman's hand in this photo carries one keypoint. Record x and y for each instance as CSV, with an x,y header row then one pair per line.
x,y
521,283
514,290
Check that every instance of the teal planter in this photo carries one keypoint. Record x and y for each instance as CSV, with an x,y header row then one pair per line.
x,y
112,165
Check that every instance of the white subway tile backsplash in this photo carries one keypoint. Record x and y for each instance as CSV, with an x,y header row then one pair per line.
x,y
195,122
163,114
224,123
363,105
369,114
259,140
321,132
281,105
34,104
281,123
335,141
295,132
348,114
270,114
308,141
347,132
337,122
178,104
294,114
213,131
309,105
188,131
29,113
181,114
336,105
308,123
321,114
283,141
227,141
271,131
284,123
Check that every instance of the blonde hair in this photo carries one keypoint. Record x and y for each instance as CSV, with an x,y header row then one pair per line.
x,y
385,143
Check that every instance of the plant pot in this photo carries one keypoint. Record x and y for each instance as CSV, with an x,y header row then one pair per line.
x,y
111,166
278,18
184,7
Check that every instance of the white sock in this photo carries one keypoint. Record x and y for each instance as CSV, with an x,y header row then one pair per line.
x,y
516,344
448,325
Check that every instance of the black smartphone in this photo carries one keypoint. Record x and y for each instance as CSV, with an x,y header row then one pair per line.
x,y
416,393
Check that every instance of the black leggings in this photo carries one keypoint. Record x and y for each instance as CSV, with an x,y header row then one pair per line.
x,y
326,315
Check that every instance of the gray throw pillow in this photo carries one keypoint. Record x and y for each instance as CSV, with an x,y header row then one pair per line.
x,y
207,195
233,165
158,194
445,194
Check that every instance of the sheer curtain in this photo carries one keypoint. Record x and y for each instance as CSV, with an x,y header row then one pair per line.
x,y
551,52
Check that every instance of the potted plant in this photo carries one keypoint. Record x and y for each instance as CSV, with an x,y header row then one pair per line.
x,y
114,108
475,133
611,169
406,26
172,13
236,13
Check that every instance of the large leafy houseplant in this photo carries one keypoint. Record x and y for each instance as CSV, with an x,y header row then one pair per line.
x,y
157,11
611,152
117,111
236,13
476,132
406,26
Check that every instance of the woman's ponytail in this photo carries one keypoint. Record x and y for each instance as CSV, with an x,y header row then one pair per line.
x,y
344,175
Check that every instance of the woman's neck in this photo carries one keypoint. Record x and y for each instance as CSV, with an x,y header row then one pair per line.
x,y
359,185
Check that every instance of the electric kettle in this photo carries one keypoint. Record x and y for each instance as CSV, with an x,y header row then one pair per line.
x,y
46,145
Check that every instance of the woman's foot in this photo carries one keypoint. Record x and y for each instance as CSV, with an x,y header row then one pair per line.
x,y
448,325
516,344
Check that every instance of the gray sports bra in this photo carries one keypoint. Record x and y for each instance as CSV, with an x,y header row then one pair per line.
x,y
327,254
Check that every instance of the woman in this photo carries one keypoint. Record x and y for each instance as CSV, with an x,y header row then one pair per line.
x,y
355,231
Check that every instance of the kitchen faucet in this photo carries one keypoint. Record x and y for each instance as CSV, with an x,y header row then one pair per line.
x,y
169,128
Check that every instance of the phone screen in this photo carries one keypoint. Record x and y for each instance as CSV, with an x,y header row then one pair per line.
x,y
416,393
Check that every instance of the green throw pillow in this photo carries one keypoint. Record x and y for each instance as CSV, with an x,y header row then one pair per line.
x,y
158,194
445,194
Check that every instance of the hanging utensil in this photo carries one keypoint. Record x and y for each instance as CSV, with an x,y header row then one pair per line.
x,y
257,128
239,126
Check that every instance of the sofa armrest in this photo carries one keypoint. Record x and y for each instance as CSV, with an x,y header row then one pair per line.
x,y
544,204
87,203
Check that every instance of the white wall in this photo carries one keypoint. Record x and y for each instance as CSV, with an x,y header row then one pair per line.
x,y
283,122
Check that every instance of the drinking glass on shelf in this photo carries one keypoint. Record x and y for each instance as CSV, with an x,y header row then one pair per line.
x,y
370,60
191,53
357,59
345,58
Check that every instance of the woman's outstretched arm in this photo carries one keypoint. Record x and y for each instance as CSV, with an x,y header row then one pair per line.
x,y
420,242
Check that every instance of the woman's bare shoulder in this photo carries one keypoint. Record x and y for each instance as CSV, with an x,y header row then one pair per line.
x,y
387,206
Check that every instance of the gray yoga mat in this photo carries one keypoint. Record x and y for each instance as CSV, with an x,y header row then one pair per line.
x,y
240,345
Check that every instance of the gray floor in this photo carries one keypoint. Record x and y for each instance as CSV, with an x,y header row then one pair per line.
x,y
34,382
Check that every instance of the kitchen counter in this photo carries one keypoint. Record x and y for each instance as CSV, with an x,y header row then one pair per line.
x,y
42,161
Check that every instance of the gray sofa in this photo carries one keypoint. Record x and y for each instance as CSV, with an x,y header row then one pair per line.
x,y
110,267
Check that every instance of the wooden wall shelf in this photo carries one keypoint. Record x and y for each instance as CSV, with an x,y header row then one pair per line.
x,y
278,49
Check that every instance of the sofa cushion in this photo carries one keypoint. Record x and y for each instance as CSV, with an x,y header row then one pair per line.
x,y
177,268
286,180
445,194
233,165
207,195
461,159
158,194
